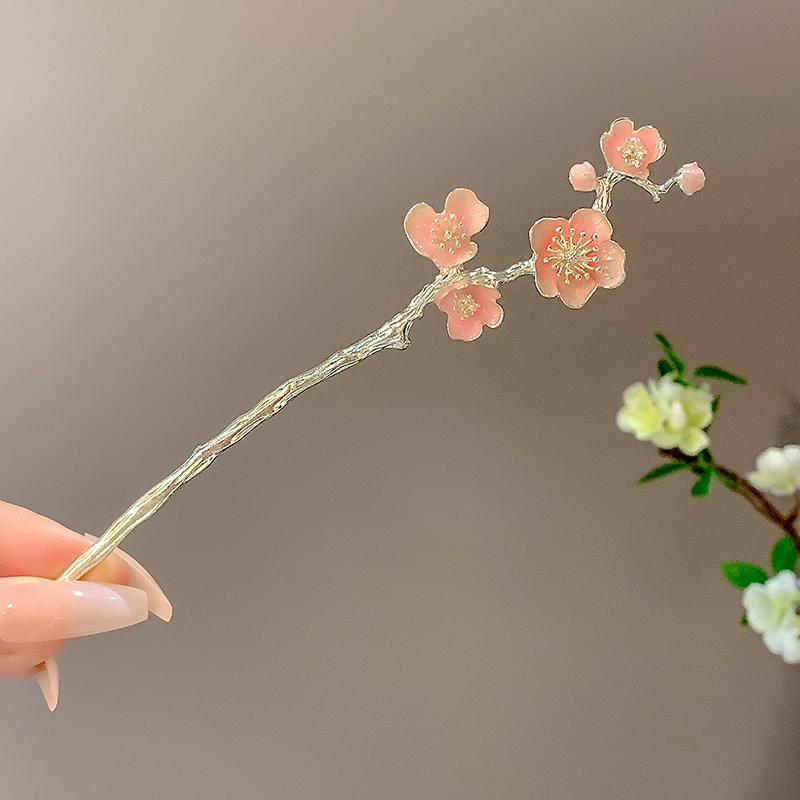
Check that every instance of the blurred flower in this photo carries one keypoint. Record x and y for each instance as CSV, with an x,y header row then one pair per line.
x,y
691,178
583,177
772,611
444,237
629,151
469,306
668,414
777,470
575,256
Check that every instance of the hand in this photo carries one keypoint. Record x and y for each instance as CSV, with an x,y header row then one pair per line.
x,y
39,613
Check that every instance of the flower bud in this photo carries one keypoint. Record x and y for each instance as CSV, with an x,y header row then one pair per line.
x,y
583,177
691,178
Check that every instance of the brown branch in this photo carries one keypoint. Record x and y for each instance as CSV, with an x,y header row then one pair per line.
x,y
760,502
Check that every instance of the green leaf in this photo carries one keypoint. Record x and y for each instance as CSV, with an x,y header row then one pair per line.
x,y
718,374
662,470
731,484
664,367
741,574
743,621
784,555
715,404
700,489
670,352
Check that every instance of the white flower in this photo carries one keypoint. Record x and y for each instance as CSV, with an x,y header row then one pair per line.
x,y
777,470
771,610
667,414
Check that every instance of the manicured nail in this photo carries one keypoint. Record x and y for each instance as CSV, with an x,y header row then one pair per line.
x,y
157,601
48,682
43,610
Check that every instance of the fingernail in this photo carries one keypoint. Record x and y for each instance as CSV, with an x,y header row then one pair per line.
x,y
48,682
44,610
157,601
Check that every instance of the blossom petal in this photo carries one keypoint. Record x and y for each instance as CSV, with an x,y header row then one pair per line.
x,y
575,293
465,329
444,259
611,261
543,231
693,441
490,312
417,226
591,222
545,278
652,142
465,205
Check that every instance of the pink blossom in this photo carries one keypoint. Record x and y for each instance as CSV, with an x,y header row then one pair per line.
x,y
691,178
629,151
444,237
575,256
469,306
583,177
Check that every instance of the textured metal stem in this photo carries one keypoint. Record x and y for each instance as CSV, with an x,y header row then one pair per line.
x,y
607,182
393,334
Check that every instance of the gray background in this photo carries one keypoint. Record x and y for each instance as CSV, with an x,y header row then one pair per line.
x,y
433,576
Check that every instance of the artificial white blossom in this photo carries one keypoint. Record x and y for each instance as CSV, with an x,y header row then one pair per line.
x,y
772,611
777,470
668,414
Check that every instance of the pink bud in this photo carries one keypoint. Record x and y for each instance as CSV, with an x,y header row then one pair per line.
x,y
583,177
691,178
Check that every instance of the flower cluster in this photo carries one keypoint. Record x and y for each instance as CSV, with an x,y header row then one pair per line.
x,y
668,413
772,609
675,413
571,257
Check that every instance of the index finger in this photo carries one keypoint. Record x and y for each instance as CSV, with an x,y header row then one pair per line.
x,y
31,544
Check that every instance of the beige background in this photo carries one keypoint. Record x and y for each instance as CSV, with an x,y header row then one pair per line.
x,y
433,576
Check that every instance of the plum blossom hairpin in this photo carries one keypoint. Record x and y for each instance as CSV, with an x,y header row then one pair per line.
x,y
571,258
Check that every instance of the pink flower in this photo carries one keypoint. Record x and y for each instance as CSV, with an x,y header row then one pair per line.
x,y
445,238
629,151
469,306
691,178
583,177
575,256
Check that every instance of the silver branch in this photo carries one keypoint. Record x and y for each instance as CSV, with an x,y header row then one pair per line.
x,y
391,335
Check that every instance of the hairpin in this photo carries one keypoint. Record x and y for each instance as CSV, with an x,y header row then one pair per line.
x,y
571,259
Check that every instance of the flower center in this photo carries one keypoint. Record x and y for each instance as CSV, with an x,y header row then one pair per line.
x,y
466,305
571,257
632,152
448,233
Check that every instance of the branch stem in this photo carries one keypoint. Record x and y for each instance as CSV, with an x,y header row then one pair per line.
x,y
757,499
391,335
607,182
